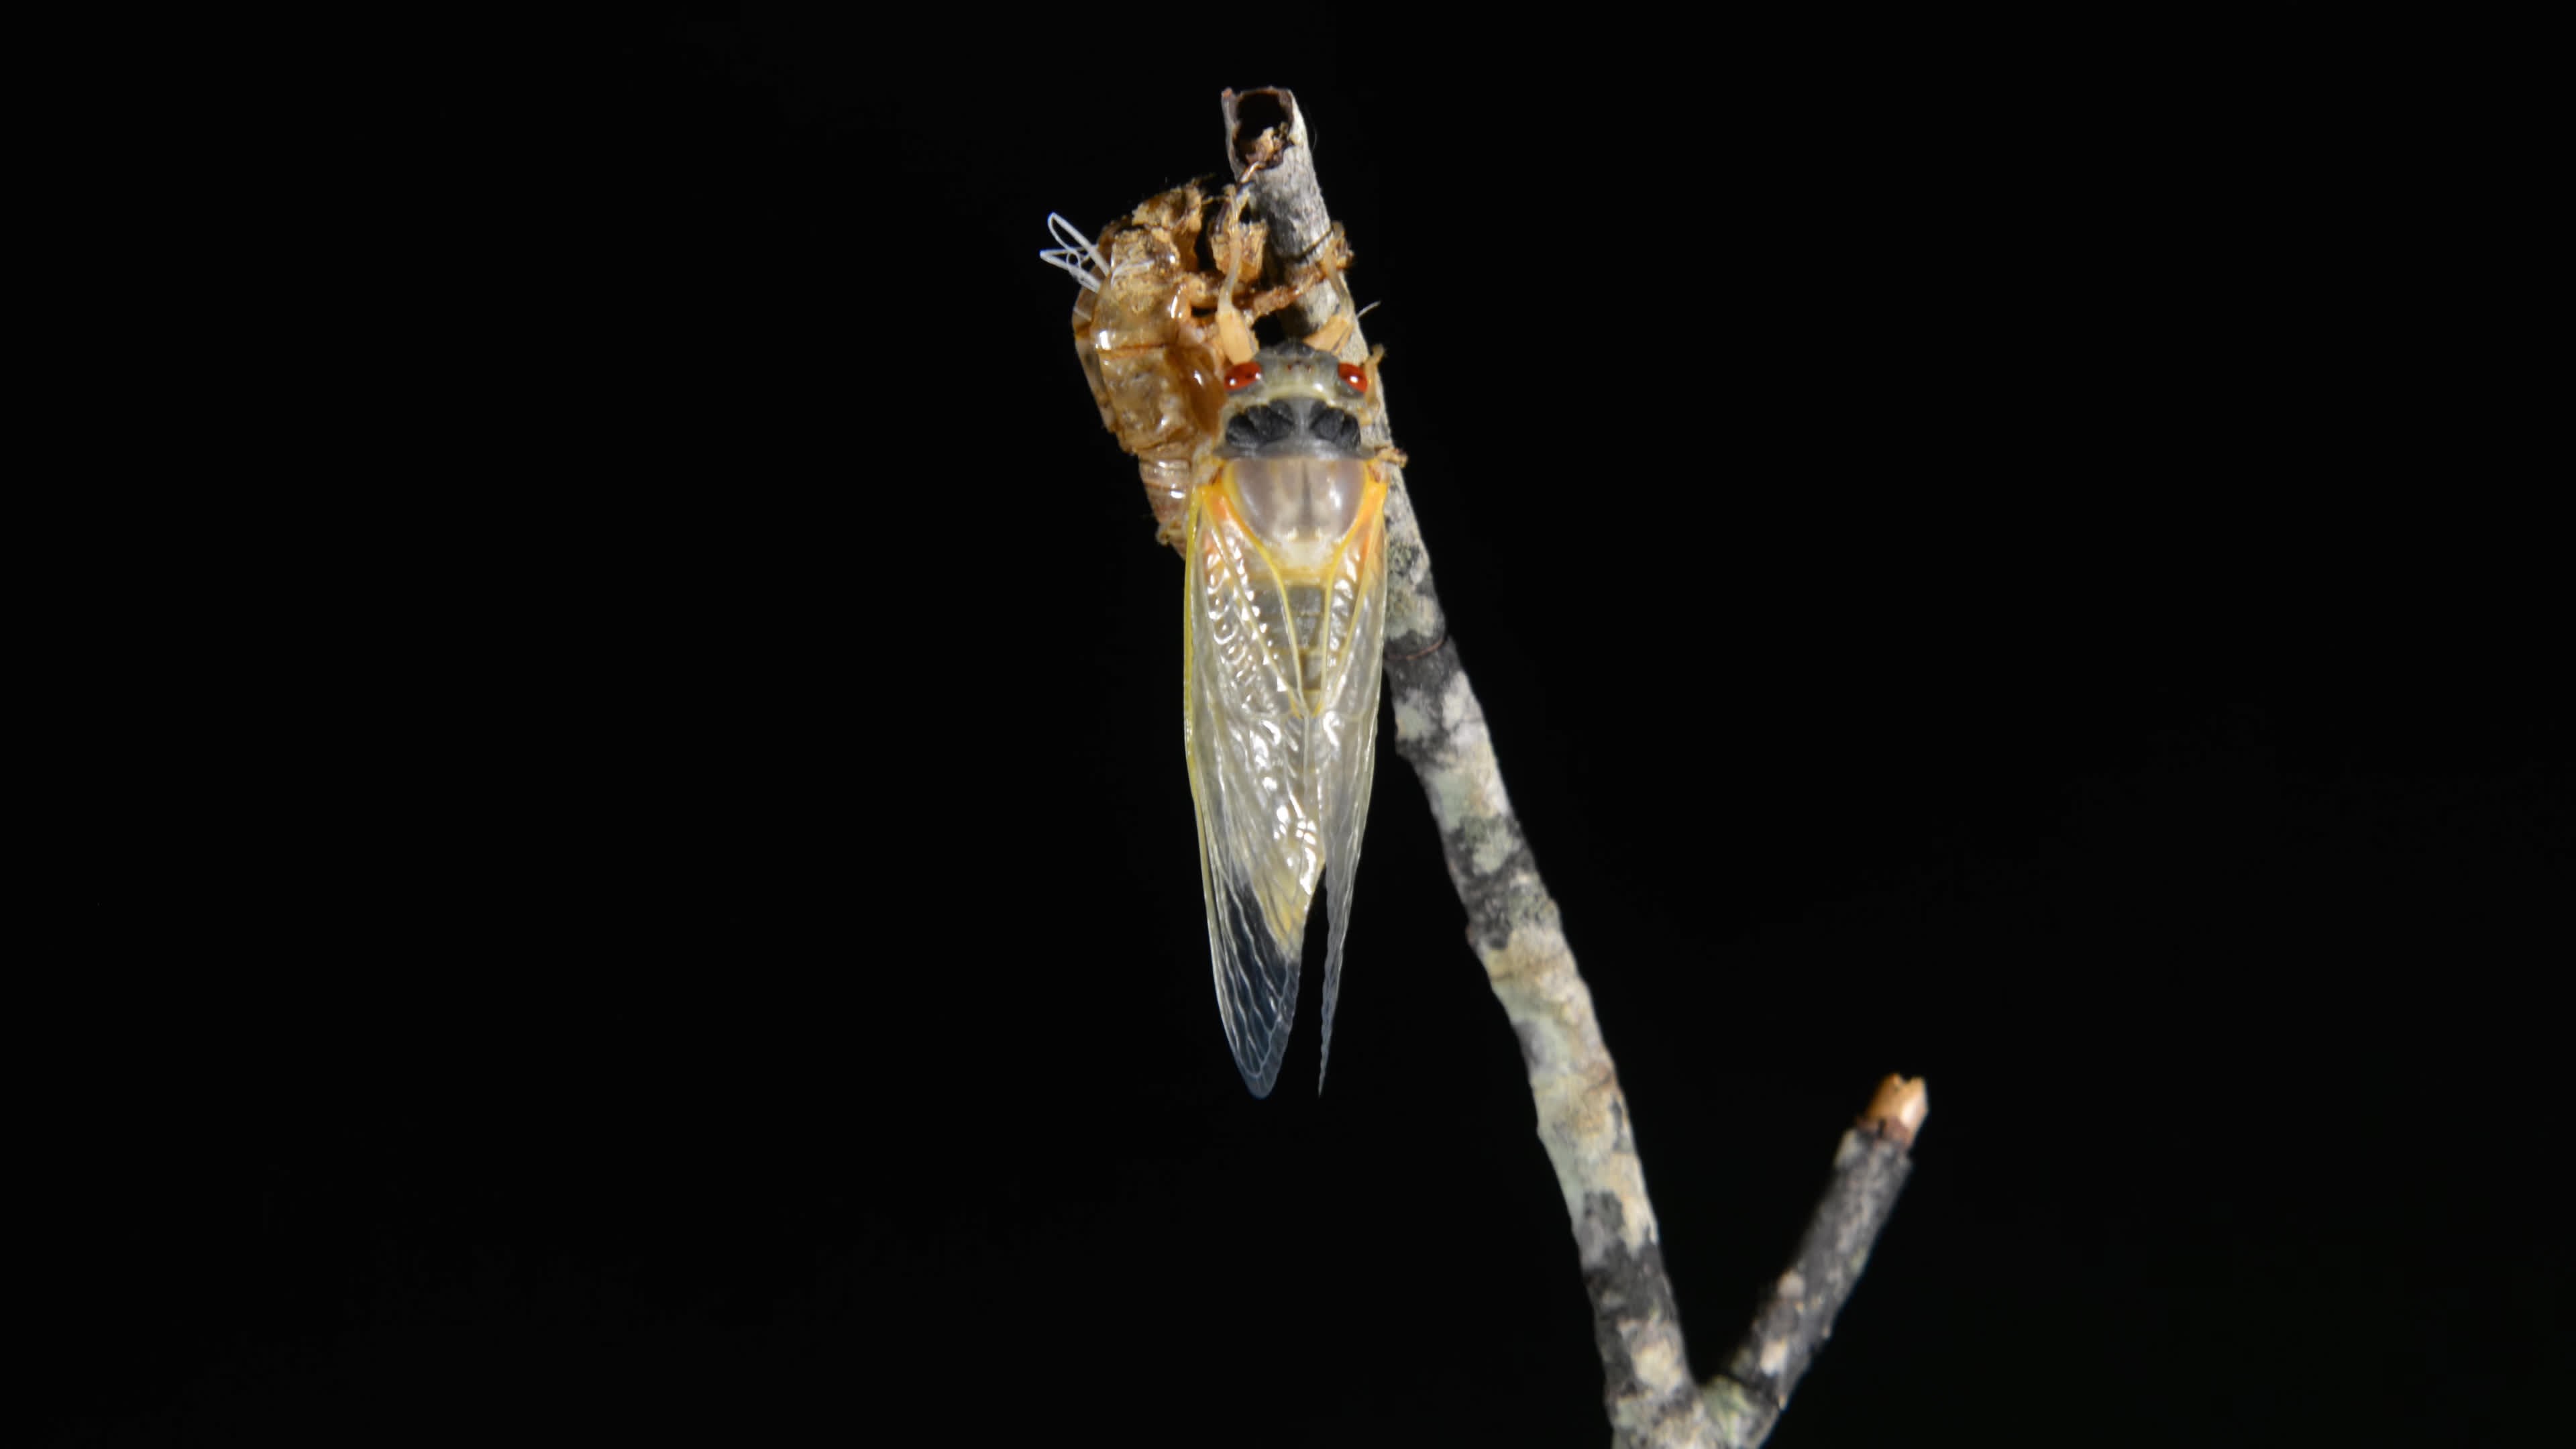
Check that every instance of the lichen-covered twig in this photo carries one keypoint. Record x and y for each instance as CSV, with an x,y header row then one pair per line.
x,y
1582,1117
1870,1168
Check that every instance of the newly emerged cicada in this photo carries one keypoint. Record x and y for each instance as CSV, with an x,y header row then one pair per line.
x,y
1253,458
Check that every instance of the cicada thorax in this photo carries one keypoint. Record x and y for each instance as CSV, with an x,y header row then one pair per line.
x,y
1290,465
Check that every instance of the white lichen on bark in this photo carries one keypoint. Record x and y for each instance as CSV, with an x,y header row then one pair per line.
x,y
1574,1085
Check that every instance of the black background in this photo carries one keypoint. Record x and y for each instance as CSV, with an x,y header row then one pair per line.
x,y
658,898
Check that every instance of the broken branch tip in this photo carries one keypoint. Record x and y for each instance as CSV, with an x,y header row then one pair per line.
x,y
1898,1108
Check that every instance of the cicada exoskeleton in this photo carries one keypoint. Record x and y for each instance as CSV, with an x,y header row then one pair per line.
x,y
1254,462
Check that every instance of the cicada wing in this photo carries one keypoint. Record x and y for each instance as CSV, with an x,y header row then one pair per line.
x,y
1246,732
1344,735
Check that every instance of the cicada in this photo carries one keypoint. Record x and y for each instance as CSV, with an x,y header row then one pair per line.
x,y
1253,457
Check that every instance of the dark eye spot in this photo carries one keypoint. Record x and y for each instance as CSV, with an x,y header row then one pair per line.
x,y
1267,423
1337,428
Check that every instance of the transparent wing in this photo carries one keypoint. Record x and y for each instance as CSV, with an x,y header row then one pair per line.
x,y
1246,732
1343,738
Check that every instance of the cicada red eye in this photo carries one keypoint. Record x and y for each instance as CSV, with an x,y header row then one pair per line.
x,y
1241,376
1354,377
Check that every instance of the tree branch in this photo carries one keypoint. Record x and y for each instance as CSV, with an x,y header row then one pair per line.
x,y
1870,1168
1514,925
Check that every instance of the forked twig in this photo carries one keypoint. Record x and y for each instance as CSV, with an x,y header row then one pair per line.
x,y
1582,1117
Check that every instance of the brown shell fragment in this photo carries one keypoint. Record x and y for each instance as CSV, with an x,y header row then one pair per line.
x,y
1153,369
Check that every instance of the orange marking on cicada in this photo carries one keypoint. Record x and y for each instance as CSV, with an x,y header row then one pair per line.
x,y
1330,336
